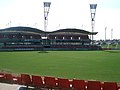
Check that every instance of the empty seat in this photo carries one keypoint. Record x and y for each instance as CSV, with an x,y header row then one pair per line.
x,y
26,80
78,84
93,85
9,78
50,82
63,84
17,80
2,77
110,86
37,81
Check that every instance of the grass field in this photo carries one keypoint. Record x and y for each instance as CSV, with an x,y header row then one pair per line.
x,y
87,65
110,46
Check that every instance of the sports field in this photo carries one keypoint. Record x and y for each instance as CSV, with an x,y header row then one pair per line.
x,y
87,65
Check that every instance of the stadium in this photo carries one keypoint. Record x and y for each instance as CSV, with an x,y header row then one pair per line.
x,y
63,59
27,38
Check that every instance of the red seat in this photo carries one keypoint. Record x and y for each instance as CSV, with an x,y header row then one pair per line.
x,y
78,84
50,82
110,86
17,80
37,81
26,80
93,85
2,77
9,78
63,83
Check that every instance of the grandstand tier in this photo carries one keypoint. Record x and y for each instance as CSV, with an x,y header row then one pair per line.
x,y
27,38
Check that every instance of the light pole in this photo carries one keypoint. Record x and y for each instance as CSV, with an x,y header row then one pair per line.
x,y
46,12
93,12
105,33
111,34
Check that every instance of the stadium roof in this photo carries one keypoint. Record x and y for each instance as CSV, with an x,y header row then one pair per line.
x,y
21,29
74,30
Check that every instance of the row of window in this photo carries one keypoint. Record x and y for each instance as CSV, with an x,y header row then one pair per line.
x,y
19,36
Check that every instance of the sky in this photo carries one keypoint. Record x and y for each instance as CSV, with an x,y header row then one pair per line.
x,y
63,14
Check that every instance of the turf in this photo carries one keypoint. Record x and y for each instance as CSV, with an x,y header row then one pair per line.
x,y
87,65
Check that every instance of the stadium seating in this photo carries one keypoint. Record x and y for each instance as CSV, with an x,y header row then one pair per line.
x,y
26,80
50,82
63,84
17,80
110,86
78,84
37,81
93,85
9,78
2,77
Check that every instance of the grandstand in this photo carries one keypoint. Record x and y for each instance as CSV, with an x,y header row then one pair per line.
x,y
27,38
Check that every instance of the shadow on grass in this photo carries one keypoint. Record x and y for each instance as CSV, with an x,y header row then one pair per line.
x,y
110,51
43,52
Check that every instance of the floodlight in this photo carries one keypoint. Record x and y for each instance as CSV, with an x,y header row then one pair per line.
x,y
93,12
46,12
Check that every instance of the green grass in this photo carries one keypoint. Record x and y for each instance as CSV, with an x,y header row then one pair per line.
x,y
110,46
87,65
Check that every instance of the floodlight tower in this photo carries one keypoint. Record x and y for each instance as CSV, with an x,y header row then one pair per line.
x,y
93,12
46,12
111,34
105,33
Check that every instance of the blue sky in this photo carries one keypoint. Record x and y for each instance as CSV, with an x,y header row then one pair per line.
x,y
63,14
